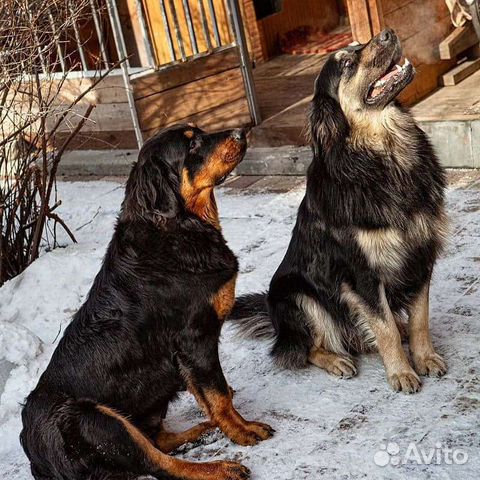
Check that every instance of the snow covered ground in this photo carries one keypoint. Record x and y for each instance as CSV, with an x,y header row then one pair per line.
x,y
326,427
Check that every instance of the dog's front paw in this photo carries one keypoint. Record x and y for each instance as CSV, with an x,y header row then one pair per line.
x,y
230,471
431,364
405,381
251,433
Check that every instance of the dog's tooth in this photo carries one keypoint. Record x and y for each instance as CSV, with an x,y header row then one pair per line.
x,y
398,67
406,62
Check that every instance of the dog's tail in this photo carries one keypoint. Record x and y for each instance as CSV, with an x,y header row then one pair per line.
x,y
251,317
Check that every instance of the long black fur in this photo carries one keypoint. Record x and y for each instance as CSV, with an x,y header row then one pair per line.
x,y
146,323
350,185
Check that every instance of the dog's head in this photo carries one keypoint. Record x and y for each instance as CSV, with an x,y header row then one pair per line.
x,y
177,170
357,84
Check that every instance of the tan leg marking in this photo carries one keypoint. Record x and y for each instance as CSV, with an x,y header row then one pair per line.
x,y
222,413
333,363
168,441
425,359
222,470
402,328
224,299
400,374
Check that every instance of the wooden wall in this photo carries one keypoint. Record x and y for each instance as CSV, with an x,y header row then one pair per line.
x,y
156,26
109,125
253,32
421,26
208,91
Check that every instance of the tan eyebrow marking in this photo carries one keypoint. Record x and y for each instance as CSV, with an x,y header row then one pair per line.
x,y
188,133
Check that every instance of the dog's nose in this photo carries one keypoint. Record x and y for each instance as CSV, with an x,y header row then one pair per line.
x,y
386,35
239,134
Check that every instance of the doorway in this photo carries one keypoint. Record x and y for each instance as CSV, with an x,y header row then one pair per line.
x,y
289,42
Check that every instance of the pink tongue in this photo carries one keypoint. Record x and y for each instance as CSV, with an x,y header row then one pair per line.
x,y
390,74
385,78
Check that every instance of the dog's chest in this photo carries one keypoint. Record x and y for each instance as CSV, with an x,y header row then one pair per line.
x,y
387,249
384,248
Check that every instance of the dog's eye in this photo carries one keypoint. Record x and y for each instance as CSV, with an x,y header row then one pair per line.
x,y
347,63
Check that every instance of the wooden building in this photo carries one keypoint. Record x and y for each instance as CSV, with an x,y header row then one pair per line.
x,y
187,64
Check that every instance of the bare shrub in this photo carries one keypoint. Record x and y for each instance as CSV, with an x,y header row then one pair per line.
x,y
38,49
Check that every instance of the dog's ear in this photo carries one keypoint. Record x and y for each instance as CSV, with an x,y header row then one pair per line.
x,y
152,190
327,124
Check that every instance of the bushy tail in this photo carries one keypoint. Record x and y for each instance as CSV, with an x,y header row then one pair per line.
x,y
251,318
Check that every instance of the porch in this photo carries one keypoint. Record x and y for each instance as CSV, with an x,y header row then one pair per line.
x,y
219,73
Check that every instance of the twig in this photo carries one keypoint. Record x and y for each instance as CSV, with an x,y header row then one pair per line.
x,y
55,217
90,221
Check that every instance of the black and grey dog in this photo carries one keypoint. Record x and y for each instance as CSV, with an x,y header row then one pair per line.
x,y
149,328
368,231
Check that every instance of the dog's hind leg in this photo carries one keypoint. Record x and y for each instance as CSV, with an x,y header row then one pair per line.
x,y
157,463
328,352
425,359
101,443
168,441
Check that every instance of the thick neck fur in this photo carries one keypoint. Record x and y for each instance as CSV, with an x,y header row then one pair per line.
x,y
388,131
203,204
378,169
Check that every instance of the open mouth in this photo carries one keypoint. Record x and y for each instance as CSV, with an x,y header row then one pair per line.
x,y
388,86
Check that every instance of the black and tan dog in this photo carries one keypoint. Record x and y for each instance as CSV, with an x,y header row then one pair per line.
x,y
368,231
149,328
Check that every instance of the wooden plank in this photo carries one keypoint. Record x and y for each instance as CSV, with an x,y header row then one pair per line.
x,y
389,6
377,21
63,92
183,73
110,90
104,117
359,20
413,18
460,72
458,41
288,91
228,115
243,182
176,103
426,80
132,32
254,32
453,103
420,48
105,140
284,160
